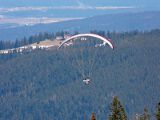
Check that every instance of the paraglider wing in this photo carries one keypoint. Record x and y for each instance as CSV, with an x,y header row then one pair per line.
x,y
83,53
105,41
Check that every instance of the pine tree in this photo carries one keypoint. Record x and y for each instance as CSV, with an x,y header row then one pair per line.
x,y
117,110
146,115
158,112
93,117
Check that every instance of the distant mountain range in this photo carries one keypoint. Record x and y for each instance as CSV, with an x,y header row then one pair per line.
x,y
109,22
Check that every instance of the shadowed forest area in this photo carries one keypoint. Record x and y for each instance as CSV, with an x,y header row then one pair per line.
x,y
47,85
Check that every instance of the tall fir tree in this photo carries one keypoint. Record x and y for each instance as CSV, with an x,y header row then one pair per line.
x,y
93,117
117,110
146,115
158,112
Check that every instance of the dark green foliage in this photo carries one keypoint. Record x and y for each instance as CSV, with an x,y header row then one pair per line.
x,y
47,85
6,44
101,33
158,112
117,110
61,33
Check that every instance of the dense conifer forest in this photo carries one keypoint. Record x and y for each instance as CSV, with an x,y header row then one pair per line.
x,y
47,85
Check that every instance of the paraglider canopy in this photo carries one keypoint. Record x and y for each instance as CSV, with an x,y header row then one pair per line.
x,y
84,52
105,40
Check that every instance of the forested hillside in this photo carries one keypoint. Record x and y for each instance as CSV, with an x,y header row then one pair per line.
x,y
46,85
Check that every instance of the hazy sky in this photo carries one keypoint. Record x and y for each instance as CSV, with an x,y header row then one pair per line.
x,y
18,3
71,8
11,6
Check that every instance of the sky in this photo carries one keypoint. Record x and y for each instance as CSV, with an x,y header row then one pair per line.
x,y
37,11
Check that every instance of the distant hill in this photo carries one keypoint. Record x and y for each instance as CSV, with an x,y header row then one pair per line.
x,y
46,85
108,22
9,25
